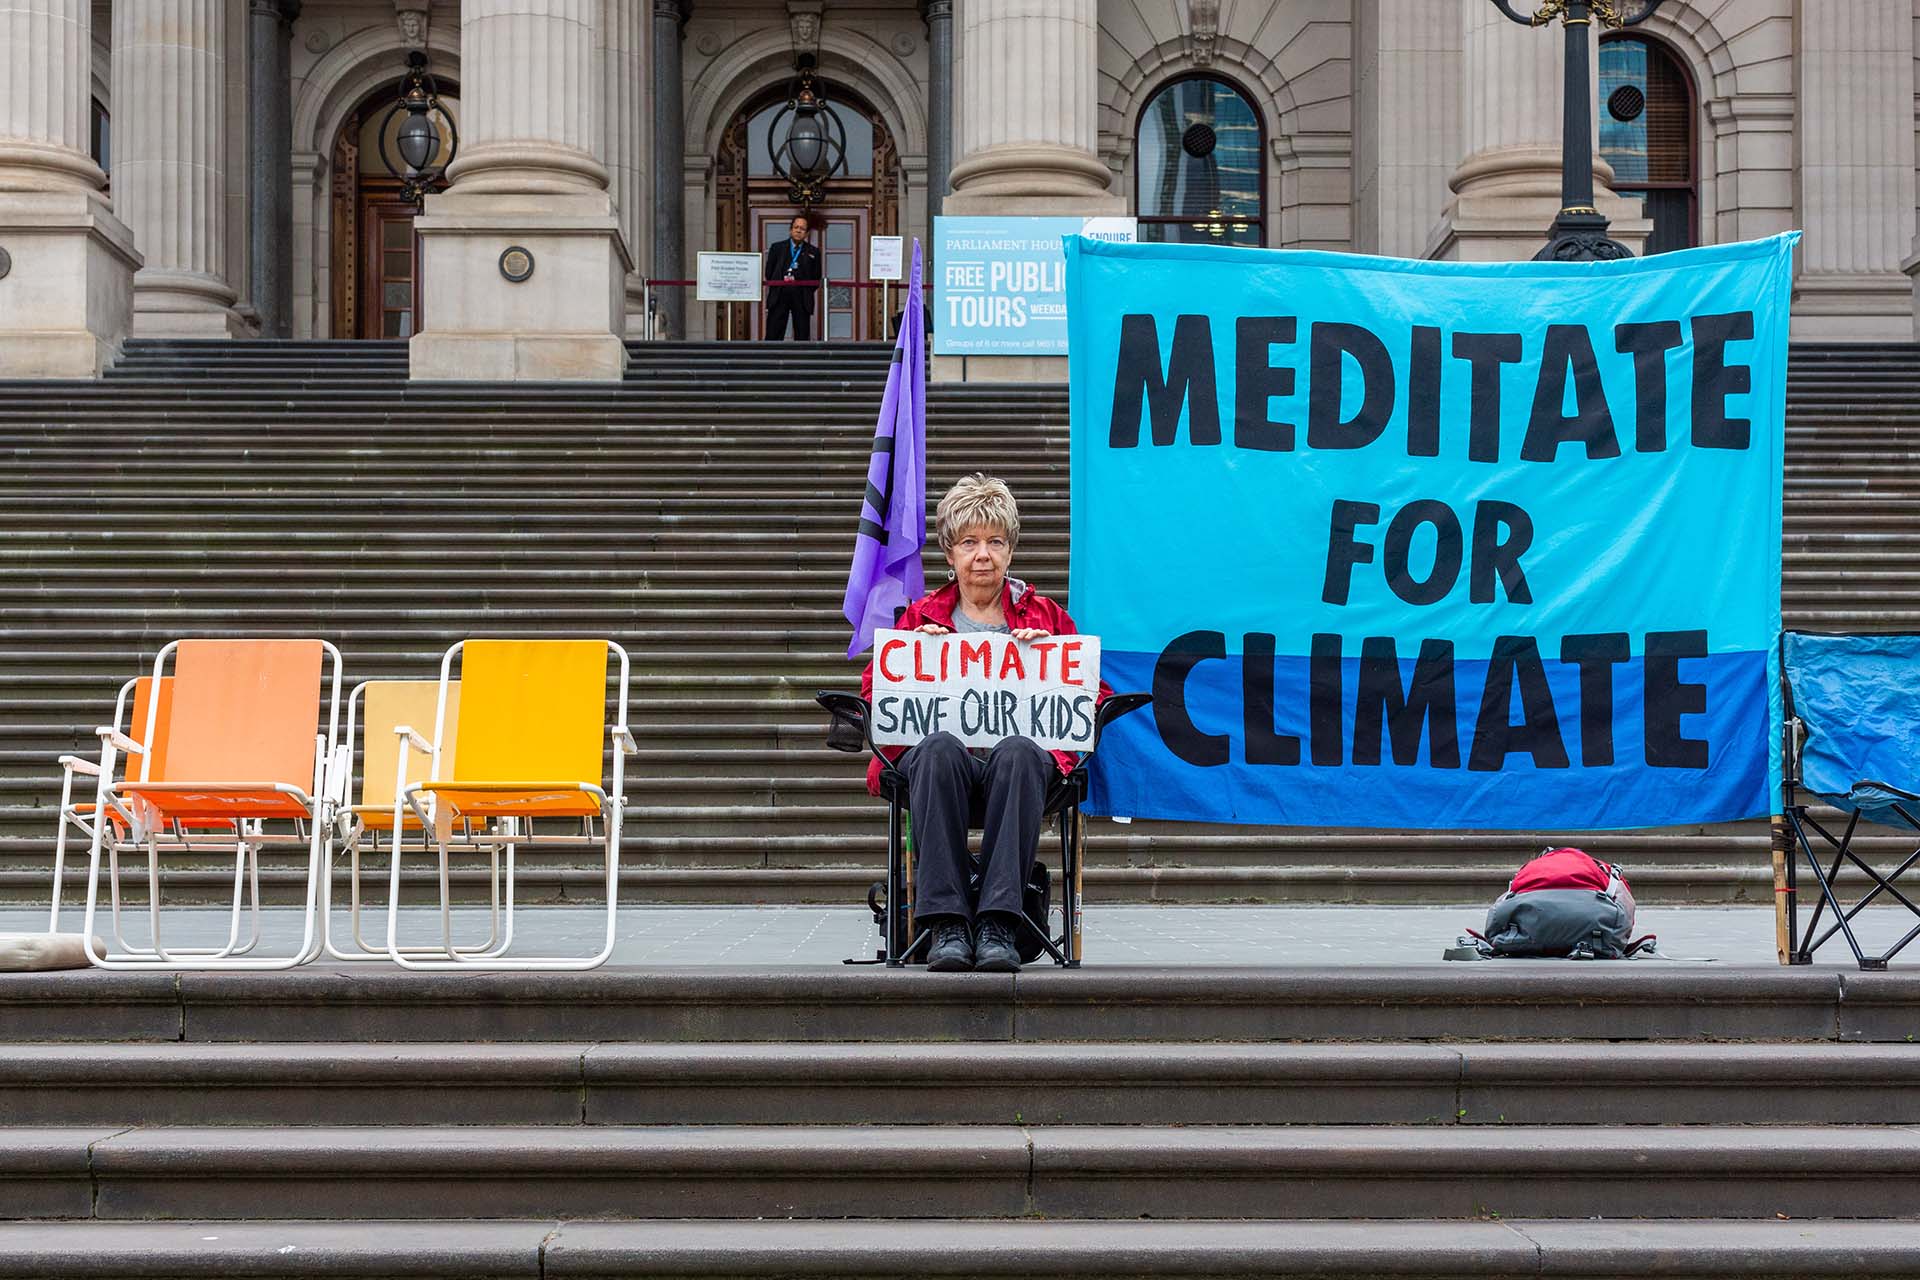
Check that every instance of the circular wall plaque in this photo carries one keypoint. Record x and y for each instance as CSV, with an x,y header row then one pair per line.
x,y
516,263
6,263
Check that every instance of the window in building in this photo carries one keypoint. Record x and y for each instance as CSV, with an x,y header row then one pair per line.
x,y
1200,165
101,141
1646,134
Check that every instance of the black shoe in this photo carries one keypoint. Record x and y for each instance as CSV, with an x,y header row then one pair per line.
x,y
996,952
952,948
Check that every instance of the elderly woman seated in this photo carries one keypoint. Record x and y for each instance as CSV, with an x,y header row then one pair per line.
x,y
1002,790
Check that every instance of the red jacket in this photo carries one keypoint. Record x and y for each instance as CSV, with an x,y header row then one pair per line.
x,y
1023,608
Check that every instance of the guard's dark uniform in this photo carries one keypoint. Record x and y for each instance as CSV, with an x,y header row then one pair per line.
x,y
787,261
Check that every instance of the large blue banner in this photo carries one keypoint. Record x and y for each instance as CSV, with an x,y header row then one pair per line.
x,y
1423,544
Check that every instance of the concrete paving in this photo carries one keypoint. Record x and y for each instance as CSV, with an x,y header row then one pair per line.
x,y
1130,935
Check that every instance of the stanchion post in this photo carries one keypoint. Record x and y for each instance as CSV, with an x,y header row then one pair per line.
x,y
1782,891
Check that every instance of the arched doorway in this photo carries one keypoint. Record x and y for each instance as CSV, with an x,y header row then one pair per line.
x,y
755,208
376,256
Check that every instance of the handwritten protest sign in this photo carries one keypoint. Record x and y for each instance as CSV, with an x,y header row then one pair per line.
x,y
1432,544
982,688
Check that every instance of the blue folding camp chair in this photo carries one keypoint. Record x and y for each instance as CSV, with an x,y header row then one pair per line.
x,y
1853,741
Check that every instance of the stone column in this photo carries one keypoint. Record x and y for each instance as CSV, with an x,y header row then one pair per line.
x,y
939,18
1029,122
669,161
169,162
1406,66
1029,136
66,263
623,55
1507,189
269,163
522,259
1856,74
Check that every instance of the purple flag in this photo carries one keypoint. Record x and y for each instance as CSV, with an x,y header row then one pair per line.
x,y
886,570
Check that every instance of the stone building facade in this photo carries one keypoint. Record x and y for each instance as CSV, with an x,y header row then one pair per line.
x,y
213,167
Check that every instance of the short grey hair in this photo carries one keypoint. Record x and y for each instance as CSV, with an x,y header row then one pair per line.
x,y
977,499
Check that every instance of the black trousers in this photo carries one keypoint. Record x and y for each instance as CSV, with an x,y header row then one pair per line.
x,y
948,790
786,304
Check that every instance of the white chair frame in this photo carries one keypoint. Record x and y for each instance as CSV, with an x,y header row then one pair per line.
x,y
612,805
353,834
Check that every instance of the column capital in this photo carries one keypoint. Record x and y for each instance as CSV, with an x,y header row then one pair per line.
x,y
932,11
678,10
287,11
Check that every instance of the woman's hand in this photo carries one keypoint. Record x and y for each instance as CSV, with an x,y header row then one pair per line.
x,y
931,629
1031,633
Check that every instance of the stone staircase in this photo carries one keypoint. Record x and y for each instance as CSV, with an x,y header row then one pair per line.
x,y
700,513
1511,1120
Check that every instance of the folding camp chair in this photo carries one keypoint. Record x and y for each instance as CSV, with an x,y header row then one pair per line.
x,y
1853,740
531,724
229,751
79,815
387,766
852,731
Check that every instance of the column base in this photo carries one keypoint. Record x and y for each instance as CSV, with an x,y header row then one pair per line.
x,y
167,322
999,369
1835,306
565,320
1041,179
515,357
1504,227
184,304
67,299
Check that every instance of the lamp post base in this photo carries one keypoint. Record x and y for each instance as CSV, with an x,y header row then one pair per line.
x,y
1580,235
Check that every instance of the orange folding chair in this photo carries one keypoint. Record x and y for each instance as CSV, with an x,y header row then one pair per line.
x,y
531,726
235,747
78,815
387,766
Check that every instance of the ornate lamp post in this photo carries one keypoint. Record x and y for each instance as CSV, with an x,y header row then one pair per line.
x,y
418,141
1579,231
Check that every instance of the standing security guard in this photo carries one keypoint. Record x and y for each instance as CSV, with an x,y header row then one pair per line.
x,y
789,265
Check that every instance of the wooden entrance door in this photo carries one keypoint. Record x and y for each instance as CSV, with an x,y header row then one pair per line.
x,y
374,264
754,209
389,266
841,237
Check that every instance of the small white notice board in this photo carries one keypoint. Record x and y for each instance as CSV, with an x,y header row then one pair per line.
x,y
728,277
982,688
885,257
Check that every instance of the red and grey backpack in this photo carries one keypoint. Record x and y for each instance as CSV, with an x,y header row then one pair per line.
x,y
1563,903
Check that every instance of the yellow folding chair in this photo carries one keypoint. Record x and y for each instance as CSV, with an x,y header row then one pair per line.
x,y
531,725
242,756
387,766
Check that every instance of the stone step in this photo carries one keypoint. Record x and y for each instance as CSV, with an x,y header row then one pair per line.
x,y
820,1084
821,870
1505,1002
555,1249
975,1171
